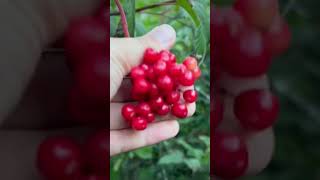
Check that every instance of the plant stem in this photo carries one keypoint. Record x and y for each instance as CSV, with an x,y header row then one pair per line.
x,y
166,3
123,19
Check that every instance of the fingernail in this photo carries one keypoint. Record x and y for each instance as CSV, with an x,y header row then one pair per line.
x,y
164,35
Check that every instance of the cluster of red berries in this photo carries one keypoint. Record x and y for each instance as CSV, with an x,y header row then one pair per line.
x,y
246,37
157,86
62,157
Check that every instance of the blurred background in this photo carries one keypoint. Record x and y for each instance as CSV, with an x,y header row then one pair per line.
x,y
188,155
295,78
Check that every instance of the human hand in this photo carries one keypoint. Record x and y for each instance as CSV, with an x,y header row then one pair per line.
x,y
126,53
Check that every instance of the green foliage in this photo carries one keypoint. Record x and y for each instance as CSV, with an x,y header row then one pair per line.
x,y
188,155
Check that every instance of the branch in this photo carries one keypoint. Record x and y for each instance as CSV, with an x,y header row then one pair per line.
x,y
166,3
123,19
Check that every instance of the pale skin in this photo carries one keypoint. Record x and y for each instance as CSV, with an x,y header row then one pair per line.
x,y
27,107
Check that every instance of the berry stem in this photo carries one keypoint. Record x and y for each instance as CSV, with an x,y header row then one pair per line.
x,y
123,19
166,3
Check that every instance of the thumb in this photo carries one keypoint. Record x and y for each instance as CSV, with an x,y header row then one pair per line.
x,y
126,53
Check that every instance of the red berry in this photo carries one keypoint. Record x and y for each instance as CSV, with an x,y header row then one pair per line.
x,y
156,103
92,77
230,159
141,86
167,57
139,123
196,72
59,158
256,109
179,110
137,72
216,112
163,110
150,117
278,37
246,54
150,56
176,70
259,13
84,38
154,91
190,63
187,79
97,151
145,67
138,97
128,111
143,109
165,83
160,68
150,74
172,97
190,96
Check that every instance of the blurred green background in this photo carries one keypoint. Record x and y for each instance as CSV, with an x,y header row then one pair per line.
x,y
188,155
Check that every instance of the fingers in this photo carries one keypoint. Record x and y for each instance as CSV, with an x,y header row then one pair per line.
x,y
117,121
19,149
126,140
126,53
260,144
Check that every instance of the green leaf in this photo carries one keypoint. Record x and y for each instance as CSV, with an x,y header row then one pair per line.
x,y
187,7
175,157
193,164
144,153
114,21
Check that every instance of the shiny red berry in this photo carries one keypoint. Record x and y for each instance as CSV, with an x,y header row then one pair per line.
x,y
154,91
59,158
96,149
160,68
128,111
143,109
190,96
256,109
165,83
150,117
150,56
179,110
190,63
156,103
137,72
139,123
172,97
230,159
176,70
150,74
187,79
163,110
141,86
145,67
246,55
